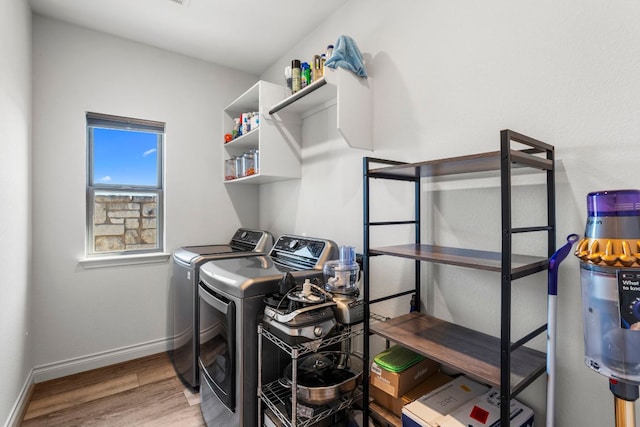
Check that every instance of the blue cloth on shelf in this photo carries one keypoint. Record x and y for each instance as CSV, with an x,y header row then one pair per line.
x,y
347,55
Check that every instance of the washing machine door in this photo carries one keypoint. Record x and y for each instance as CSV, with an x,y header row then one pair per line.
x,y
217,345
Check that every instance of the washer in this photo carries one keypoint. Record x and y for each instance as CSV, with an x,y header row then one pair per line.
x,y
232,294
184,283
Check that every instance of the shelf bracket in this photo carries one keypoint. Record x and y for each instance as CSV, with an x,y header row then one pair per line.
x,y
298,95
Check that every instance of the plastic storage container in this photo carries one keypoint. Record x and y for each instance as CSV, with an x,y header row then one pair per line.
x,y
230,169
248,164
256,160
239,167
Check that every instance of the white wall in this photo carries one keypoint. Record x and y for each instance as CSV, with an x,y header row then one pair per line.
x,y
15,193
83,318
447,77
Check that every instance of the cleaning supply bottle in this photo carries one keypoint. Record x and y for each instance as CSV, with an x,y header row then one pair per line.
x,y
305,75
316,72
329,52
287,76
295,75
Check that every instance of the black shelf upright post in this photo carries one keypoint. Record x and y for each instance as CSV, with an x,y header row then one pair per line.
x,y
366,294
506,165
505,282
367,224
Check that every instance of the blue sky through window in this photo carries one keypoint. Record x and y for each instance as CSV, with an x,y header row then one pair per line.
x,y
124,157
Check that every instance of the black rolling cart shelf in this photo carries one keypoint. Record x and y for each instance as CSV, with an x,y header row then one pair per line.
x,y
275,396
497,361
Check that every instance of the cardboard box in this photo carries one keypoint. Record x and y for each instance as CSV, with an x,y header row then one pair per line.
x,y
485,411
398,383
430,409
395,404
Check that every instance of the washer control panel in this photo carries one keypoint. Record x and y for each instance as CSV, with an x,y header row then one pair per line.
x,y
301,252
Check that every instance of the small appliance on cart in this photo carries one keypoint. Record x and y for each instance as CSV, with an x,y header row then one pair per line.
x,y
232,299
341,280
610,279
184,283
299,313
303,312
311,324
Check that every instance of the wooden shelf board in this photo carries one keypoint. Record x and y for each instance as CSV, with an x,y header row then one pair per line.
x,y
469,351
482,260
385,417
473,163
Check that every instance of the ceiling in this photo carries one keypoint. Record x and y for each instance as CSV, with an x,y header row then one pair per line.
x,y
244,34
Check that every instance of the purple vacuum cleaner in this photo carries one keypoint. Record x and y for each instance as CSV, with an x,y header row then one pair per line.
x,y
610,277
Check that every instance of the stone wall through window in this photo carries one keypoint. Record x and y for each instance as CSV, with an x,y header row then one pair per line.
x,y
125,223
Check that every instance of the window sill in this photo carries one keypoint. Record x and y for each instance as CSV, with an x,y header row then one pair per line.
x,y
115,261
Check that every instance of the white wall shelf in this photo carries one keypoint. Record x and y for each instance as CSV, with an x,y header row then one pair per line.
x,y
279,149
353,97
279,136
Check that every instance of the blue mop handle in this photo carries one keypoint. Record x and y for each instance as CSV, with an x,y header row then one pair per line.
x,y
556,259
554,263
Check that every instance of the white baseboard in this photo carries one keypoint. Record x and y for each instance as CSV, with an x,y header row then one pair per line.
x,y
15,416
99,360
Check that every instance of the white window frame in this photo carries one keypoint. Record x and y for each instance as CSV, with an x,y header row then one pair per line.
x,y
115,257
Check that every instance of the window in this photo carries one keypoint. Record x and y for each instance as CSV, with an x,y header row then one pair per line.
x,y
124,185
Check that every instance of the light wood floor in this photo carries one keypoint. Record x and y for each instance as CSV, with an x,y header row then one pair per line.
x,y
142,392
